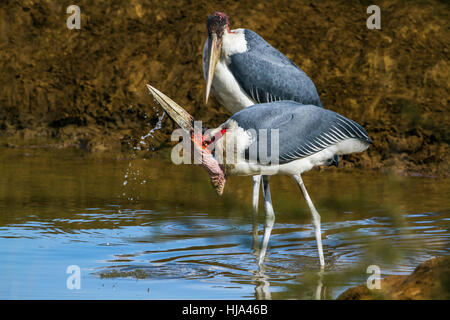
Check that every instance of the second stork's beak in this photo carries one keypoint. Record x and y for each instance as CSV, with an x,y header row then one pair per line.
x,y
214,49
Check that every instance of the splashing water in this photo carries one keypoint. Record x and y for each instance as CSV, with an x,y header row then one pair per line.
x,y
129,184
132,176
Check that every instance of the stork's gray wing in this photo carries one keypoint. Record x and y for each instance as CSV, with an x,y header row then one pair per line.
x,y
267,75
302,129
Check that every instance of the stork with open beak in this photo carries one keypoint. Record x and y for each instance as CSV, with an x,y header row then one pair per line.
x,y
242,69
307,136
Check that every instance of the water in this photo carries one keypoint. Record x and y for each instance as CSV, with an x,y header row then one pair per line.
x,y
165,234
142,142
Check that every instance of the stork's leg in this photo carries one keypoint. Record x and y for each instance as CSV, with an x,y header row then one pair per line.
x,y
315,218
270,219
318,295
267,198
256,184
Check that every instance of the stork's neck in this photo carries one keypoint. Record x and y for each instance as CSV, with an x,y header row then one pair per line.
x,y
233,42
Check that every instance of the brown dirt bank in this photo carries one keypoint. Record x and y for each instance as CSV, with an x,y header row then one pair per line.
x,y
86,87
430,280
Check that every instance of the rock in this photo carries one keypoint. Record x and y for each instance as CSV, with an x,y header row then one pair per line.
x,y
430,280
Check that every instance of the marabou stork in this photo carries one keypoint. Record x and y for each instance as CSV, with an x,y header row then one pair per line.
x,y
306,136
242,69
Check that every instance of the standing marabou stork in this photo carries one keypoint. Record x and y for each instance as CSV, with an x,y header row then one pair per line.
x,y
307,136
241,69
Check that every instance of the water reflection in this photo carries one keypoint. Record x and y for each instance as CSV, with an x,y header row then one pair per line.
x,y
177,239
262,284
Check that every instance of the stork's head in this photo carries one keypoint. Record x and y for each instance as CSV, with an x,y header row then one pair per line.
x,y
217,25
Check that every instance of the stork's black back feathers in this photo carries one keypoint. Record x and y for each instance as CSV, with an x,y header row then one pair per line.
x,y
267,75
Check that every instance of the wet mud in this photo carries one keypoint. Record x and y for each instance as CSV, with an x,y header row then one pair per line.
x,y
86,88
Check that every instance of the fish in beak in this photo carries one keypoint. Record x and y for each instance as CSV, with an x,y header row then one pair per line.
x,y
186,122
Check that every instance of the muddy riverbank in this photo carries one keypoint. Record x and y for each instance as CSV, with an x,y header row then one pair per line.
x,y
430,280
86,88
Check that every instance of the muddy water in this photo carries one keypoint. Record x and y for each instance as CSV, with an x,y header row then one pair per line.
x,y
149,229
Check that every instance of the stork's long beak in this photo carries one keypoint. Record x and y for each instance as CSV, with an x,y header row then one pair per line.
x,y
186,121
177,113
214,49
